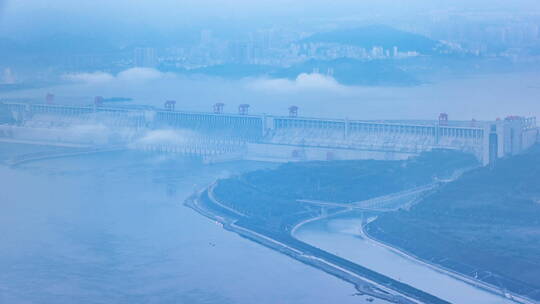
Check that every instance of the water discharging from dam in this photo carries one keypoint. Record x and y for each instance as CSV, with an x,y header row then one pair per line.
x,y
87,230
74,230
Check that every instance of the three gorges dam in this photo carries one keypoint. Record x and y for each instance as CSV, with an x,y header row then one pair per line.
x,y
218,136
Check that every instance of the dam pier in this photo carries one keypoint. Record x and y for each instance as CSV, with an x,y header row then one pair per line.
x,y
218,136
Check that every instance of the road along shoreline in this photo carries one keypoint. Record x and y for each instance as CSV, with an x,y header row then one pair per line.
x,y
366,281
439,268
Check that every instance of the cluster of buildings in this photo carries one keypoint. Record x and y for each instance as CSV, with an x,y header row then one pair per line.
x,y
268,47
326,51
484,33
282,48
265,47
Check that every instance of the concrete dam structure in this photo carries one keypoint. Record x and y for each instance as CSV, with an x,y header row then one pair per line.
x,y
218,136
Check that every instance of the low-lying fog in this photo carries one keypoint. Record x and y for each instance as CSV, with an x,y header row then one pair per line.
x,y
483,97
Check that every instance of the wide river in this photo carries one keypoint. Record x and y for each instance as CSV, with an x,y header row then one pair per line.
x,y
112,229
341,236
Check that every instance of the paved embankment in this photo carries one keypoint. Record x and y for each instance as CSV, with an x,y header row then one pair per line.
x,y
366,281
439,268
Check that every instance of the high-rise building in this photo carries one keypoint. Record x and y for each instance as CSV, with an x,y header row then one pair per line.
x,y
238,51
145,57
206,37
493,144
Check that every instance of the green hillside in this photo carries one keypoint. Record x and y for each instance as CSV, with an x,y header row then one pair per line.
x,y
354,72
486,224
269,196
378,35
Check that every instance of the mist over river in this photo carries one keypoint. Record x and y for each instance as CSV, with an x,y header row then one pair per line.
x,y
112,229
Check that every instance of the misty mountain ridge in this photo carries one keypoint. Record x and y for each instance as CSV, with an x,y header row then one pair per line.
x,y
88,43
377,36
114,52
353,72
344,70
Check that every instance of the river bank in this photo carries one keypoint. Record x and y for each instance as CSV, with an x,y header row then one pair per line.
x,y
483,227
341,236
271,203
108,227
100,168
440,268
365,280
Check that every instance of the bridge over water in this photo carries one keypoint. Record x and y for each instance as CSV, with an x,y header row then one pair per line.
x,y
386,203
220,136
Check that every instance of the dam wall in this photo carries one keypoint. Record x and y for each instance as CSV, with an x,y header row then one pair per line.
x,y
264,137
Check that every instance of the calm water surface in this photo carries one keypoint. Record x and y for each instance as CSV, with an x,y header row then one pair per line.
x,y
341,236
112,229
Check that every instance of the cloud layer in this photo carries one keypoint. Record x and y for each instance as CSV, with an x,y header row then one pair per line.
x,y
166,137
303,82
129,75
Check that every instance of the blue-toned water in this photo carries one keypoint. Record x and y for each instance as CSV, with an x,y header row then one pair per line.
x,y
112,229
341,236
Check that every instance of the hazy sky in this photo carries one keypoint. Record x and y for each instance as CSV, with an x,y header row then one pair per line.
x,y
316,96
45,16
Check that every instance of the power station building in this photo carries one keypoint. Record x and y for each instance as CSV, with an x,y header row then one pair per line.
x,y
219,136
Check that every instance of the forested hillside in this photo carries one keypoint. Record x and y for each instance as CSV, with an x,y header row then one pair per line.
x,y
270,195
485,224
